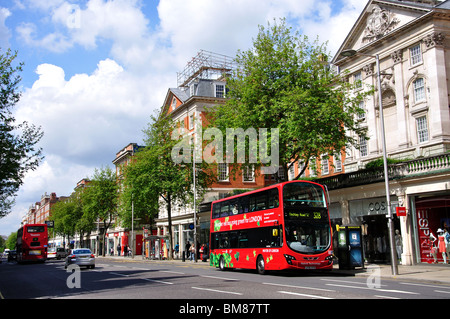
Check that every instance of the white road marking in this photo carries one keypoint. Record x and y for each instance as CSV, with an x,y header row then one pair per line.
x,y
303,295
220,291
299,287
158,281
383,290
220,278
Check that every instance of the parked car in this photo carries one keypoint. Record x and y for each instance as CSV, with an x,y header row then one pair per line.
x,y
12,255
56,252
51,253
80,257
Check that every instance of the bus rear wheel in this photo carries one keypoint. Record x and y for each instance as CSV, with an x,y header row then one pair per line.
x,y
222,263
260,265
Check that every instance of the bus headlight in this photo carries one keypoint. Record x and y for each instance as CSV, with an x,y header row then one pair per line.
x,y
289,258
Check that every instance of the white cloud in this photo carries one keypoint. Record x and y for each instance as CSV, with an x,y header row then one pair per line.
x,y
5,34
86,119
88,115
54,42
223,26
334,27
121,21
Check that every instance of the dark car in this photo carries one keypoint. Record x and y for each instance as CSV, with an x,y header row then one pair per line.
x,y
12,255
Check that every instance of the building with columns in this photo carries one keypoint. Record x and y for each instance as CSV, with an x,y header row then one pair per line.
x,y
412,40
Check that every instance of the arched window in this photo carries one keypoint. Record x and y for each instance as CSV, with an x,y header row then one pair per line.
x,y
419,90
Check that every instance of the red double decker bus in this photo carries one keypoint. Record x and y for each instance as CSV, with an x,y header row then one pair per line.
x,y
284,226
32,243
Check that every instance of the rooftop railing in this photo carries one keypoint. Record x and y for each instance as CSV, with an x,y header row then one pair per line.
x,y
416,167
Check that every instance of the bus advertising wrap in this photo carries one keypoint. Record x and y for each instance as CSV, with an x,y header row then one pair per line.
x,y
243,221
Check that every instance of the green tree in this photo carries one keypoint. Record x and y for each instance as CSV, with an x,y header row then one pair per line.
x,y
18,152
2,244
69,217
64,214
11,241
153,176
100,200
284,82
85,221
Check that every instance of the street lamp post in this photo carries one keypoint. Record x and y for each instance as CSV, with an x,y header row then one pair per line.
x,y
349,53
132,227
195,212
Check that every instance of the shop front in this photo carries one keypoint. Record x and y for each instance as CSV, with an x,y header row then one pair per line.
x,y
369,214
432,213
184,234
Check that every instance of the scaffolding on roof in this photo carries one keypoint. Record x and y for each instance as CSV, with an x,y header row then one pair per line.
x,y
205,65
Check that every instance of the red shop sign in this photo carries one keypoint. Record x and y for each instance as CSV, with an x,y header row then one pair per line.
x,y
401,211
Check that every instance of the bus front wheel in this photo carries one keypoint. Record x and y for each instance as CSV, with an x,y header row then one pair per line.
x,y
260,265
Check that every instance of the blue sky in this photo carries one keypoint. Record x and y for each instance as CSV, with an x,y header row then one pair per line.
x,y
95,70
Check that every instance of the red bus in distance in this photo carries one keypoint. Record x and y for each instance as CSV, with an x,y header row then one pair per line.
x,y
32,243
283,226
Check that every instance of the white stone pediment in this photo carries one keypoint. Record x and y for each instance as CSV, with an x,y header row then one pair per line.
x,y
379,19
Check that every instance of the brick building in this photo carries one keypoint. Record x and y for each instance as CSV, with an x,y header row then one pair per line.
x,y
39,212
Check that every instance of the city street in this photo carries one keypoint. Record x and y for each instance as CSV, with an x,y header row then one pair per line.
x,y
137,279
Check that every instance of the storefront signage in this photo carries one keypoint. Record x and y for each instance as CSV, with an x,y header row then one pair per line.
x,y
377,207
401,211
425,243
371,206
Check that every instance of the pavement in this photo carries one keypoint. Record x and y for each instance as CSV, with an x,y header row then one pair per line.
x,y
431,273
426,273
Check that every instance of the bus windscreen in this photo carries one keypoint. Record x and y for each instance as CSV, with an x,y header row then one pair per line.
x,y
306,218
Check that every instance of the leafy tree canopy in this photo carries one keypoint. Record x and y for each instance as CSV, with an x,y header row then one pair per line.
x,y
155,177
18,151
284,81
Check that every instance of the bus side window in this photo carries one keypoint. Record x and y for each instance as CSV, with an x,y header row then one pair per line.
x,y
215,241
216,210
225,241
233,240
243,205
252,203
243,239
273,198
225,209
234,207
261,201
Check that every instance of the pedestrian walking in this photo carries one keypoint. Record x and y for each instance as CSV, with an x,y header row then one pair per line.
x,y
192,250
187,250
177,249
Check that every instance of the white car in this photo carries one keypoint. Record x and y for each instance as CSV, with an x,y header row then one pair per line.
x,y
56,252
